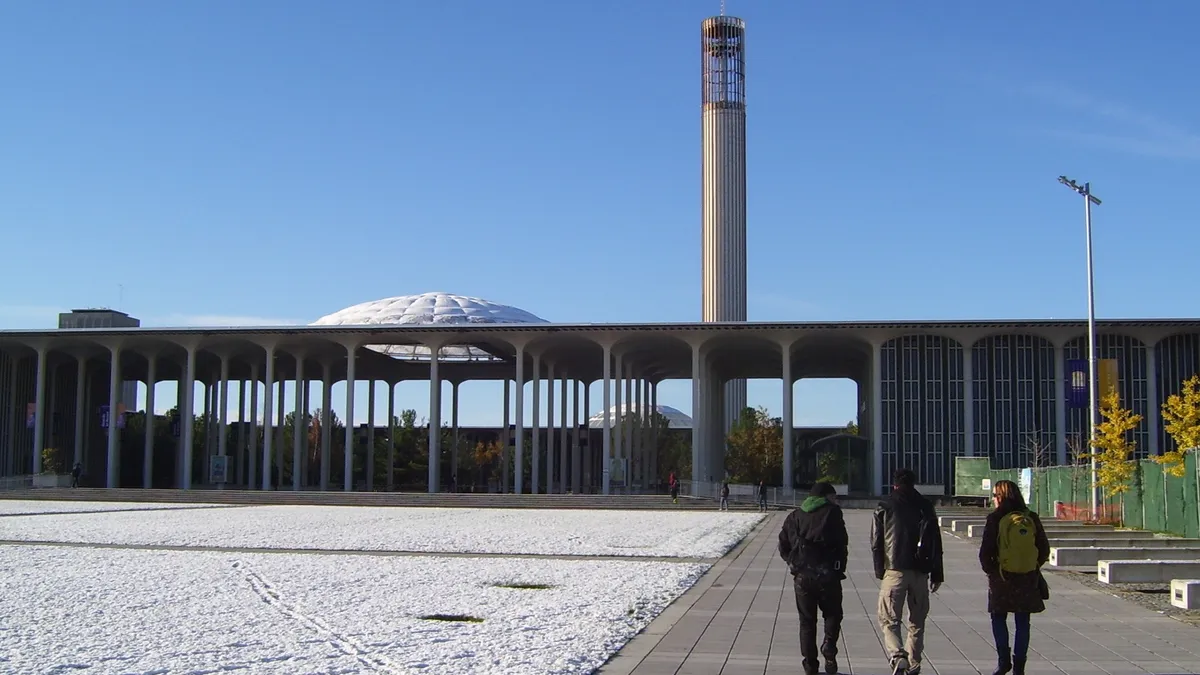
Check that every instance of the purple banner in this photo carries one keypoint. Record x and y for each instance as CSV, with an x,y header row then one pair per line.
x,y
1077,383
104,416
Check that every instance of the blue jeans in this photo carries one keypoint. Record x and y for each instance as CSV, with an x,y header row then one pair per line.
x,y
1020,648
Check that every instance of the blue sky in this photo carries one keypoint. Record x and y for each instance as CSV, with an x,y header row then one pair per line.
x,y
265,162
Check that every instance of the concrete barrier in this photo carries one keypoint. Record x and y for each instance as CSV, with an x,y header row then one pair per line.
x,y
1052,529
1071,556
1107,542
1146,571
1109,534
1185,593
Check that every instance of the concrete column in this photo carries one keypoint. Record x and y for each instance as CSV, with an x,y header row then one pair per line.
x,y
280,426
223,412
148,447
1153,406
877,477
371,436
519,414
969,400
655,430
326,423
391,453
252,442
590,453
348,460
298,426
81,402
629,420
1060,403
114,399
506,437
39,412
563,439
536,443
268,409
606,454
698,415
240,477
305,447
435,420
576,474
619,405
789,427
454,433
550,445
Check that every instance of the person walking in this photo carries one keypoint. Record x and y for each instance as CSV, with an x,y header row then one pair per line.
x,y
725,496
1012,553
674,490
906,545
76,472
815,546
762,495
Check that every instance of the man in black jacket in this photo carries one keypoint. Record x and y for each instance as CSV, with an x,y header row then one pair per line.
x,y
814,544
906,545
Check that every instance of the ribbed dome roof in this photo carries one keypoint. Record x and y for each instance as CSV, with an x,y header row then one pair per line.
x,y
676,419
428,309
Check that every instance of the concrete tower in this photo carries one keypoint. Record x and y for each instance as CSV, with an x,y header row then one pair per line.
x,y
723,105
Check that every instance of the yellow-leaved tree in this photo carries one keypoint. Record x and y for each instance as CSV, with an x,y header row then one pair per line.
x,y
1181,420
1113,446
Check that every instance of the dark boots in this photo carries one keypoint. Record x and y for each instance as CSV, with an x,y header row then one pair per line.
x,y
1004,665
1018,666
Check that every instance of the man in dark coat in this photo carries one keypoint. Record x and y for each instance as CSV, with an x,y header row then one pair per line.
x,y
815,545
906,545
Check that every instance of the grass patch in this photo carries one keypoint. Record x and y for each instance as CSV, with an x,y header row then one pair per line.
x,y
526,587
461,618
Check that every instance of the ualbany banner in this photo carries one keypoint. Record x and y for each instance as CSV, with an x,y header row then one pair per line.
x,y
1077,383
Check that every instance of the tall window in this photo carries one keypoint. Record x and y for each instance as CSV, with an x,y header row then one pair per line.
x,y
1176,359
1130,354
922,407
1013,379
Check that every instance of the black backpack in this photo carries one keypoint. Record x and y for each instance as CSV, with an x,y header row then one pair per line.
x,y
810,561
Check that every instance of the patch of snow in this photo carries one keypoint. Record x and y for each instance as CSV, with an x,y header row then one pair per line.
x,y
122,611
501,531
36,506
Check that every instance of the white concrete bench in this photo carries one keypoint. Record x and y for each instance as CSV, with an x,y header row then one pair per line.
x,y
1145,571
1185,593
1075,556
1103,534
1104,542
1052,529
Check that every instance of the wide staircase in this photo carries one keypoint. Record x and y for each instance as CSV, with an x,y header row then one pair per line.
x,y
411,499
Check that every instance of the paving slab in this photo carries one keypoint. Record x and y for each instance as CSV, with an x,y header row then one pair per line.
x,y
741,618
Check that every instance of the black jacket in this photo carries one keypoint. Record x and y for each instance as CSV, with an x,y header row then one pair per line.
x,y
821,523
900,522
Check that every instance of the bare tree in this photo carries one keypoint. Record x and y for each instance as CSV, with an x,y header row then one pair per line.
x,y
1039,450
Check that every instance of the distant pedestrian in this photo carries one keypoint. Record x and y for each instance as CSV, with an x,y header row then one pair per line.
x,y
762,495
1012,552
815,546
674,491
725,496
906,545
76,472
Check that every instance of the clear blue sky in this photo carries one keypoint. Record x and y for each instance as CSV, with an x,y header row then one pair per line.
x,y
272,161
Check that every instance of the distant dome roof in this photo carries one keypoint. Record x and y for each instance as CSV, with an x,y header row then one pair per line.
x,y
428,309
676,419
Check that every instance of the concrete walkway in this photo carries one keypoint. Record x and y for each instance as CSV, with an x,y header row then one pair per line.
x,y
741,619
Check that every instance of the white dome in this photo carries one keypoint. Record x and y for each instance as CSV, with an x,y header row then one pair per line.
x,y
676,419
428,309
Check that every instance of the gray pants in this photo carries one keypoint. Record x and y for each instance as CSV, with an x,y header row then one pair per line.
x,y
897,588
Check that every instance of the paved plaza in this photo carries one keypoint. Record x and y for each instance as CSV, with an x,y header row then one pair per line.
x,y
741,619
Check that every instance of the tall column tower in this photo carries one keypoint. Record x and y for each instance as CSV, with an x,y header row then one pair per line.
x,y
723,111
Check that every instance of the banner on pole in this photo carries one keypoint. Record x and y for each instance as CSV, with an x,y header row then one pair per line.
x,y
1077,383
30,415
219,469
120,416
1108,379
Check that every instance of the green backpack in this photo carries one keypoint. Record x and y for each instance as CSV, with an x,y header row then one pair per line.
x,y
1018,543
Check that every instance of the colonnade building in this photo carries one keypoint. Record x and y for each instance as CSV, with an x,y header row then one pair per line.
x,y
929,391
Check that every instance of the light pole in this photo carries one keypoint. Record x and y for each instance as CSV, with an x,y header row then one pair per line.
x,y
1085,191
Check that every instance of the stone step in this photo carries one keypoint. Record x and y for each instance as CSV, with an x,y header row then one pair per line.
x,y
1146,571
1185,593
1077,556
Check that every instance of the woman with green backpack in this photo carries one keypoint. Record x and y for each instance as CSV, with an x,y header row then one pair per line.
x,y
1013,551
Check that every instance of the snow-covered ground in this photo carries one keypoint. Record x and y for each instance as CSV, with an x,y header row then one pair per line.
x,y
505,531
35,506
120,611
